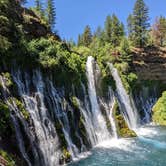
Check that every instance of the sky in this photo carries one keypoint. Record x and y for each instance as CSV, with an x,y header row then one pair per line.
x,y
73,15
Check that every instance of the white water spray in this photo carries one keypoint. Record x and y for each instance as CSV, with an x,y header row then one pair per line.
x,y
98,120
127,105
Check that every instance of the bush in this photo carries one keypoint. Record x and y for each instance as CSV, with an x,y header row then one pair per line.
x,y
21,108
122,127
5,121
159,110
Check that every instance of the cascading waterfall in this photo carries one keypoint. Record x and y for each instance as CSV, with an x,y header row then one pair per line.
x,y
145,100
109,108
127,105
56,103
52,114
98,120
88,124
12,107
44,129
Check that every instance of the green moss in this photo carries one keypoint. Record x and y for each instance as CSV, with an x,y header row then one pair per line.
x,y
74,102
159,110
8,158
122,127
82,127
66,154
66,157
59,130
8,79
21,108
6,128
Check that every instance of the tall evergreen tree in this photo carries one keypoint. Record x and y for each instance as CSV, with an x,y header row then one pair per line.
x,y
108,28
114,30
98,32
117,31
138,24
130,25
79,42
86,38
51,13
99,35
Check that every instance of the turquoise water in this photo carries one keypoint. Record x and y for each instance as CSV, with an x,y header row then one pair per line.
x,y
149,149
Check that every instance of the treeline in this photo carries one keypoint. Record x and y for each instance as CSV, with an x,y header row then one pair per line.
x,y
139,32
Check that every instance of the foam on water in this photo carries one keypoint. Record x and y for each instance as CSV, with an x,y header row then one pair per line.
x,y
82,156
146,131
124,144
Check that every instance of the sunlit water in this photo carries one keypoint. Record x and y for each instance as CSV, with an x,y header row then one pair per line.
x,y
149,149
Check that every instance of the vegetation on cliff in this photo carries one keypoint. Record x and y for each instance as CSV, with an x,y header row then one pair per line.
x,y
122,127
159,110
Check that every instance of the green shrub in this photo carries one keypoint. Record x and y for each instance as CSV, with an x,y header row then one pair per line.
x,y
21,108
6,128
159,110
122,127
74,102
8,79
125,51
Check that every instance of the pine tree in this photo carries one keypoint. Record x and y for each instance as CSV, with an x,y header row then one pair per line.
x,y
130,25
108,28
79,43
98,32
51,14
99,35
117,31
138,24
114,30
87,36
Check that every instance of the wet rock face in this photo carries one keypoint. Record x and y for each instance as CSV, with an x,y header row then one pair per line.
x,y
150,63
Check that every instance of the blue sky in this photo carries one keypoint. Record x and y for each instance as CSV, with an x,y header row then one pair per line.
x,y
74,15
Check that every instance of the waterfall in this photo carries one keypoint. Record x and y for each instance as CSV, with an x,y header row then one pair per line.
x,y
56,126
88,124
111,114
126,103
44,129
109,108
12,107
56,103
145,100
98,119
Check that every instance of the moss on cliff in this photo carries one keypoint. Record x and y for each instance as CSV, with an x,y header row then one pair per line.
x,y
159,110
6,128
122,127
